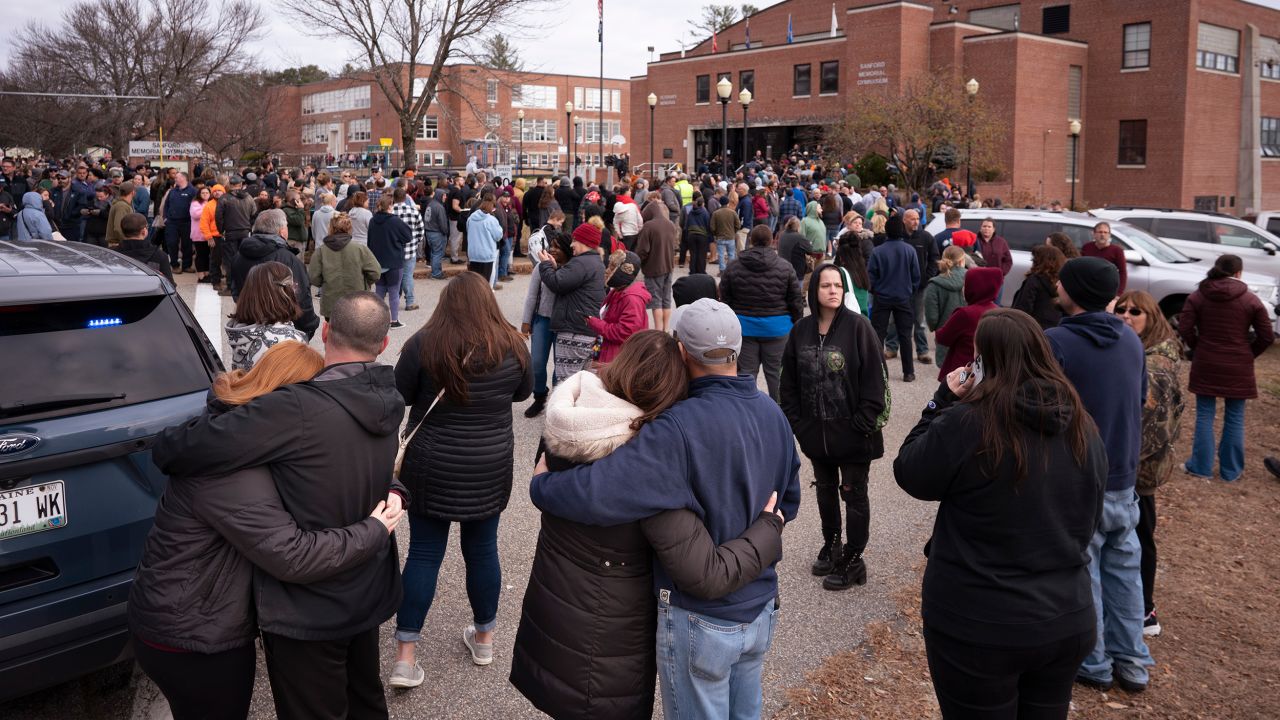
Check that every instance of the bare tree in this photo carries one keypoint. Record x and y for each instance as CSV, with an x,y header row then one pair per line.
x,y
242,125
398,38
921,129
170,49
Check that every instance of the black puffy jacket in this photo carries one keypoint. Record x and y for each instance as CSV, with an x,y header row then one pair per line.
x,y
458,465
761,284
579,289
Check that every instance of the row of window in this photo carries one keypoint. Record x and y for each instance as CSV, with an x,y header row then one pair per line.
x,y
801,81
353,98
438,159
1217,48
589,99
535,130
359,130
534,96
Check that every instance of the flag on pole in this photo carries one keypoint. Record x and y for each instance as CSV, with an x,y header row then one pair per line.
x,y
715,45
833,18
790,38
748,33
600,31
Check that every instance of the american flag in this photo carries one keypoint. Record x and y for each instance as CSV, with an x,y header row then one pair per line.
x,y
600,31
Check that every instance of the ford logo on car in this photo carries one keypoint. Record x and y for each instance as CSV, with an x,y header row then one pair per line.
x,y
15,444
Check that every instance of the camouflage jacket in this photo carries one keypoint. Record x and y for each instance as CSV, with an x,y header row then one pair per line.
x,y
1161,416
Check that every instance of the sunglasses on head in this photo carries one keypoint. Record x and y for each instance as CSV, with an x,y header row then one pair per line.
x,y
1134,311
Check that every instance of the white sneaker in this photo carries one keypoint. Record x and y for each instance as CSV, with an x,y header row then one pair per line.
x,y
481,653
406,675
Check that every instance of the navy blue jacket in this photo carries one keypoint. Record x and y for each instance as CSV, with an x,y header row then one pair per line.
x,y
388,237
745,213
177,205
1105,360
691,457
894,270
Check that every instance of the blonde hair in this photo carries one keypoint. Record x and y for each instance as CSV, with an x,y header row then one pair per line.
x,y
878,222
284,363
597,221
953,257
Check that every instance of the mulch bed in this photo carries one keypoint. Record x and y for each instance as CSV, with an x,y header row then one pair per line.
x,y
1217,595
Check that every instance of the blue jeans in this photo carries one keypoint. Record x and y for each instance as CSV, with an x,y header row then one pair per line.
x,y
428,539
1231,447
177,238
435,244
406,281
728,251
710,668
541,339
1115,559
388,288
504,257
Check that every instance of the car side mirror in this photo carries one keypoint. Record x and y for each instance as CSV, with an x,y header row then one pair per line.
x,y
1270,248
1133,257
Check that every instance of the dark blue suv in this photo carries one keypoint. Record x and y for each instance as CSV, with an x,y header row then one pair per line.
x,y
99,354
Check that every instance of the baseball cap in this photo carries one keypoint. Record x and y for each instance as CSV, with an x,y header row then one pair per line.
x,y
709,331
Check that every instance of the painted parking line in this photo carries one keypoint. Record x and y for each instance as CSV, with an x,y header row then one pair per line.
x,y
208,313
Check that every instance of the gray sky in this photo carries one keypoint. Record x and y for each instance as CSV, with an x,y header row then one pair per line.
x,y
569,46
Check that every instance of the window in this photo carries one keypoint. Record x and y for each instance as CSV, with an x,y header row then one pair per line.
x,y
353,98
1055,20
1133,142
1004,17
1270,137
359,130
800,81
1025,234
588,131
492,120
491,91
1217,48
747,80
430,129
1190,230
534,131
1269,58
829,78
534,96
588,98
1075,77
315,134
1137,46
702,85
1240,237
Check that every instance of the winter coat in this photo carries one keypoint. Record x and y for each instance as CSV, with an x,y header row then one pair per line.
x,y
209,220
656,243
895,271
193,589
622,316
794,248
197,213
234,215
980,288
942,296
813,228
1215,324
177,203
249,342
1037,298
579,289
627,218
835,390
341,267
761,284
257,249
584,648
459,463
995,253
984,583
360,219
296,221
926,254
484,234
95,223
1161,415
320,220
696,225
119,209
388,236
725,223
147,253
330,471
31,222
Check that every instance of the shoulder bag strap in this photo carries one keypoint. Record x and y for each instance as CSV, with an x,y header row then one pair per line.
x,y
405,439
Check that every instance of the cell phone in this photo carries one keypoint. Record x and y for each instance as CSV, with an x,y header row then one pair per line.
x,y
977,371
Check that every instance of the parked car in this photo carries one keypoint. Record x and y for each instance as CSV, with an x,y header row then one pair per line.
x,y
100,354
1204,235
1154,266
1268,220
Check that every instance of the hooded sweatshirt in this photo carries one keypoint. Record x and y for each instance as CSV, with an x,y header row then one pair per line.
x,y
388,236
1215,324
31,222
942,296
813,228
1104,359
622,316
320,220
656,243
341,267
894,271
980,288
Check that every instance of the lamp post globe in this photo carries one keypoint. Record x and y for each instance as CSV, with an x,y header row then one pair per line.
x,y
724,89
653,103
1074,128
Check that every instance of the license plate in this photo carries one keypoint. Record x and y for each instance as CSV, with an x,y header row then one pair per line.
x,y
32,509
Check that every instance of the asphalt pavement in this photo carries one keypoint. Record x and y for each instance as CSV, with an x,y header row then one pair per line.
x,y
814,623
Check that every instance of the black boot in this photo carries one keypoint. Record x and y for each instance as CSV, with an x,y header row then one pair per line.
x,y
828,556
534,410
849,571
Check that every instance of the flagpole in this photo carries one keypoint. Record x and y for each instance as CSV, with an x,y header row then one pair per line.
x,y
600,129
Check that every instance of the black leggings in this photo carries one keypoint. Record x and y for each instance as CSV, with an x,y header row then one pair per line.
x,y
994,683
698,247
202,256
1147,539
827,479
200,686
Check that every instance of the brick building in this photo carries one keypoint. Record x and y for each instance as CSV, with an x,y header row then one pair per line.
x,y
475,114
1178,101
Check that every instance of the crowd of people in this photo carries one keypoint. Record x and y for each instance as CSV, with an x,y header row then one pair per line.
x,y
664,475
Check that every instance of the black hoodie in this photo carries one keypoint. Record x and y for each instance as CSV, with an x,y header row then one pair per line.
x,y
147,254
257,249
1008,560
331,471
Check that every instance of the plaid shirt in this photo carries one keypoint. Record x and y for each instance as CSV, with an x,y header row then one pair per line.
x,y
789,207
408,212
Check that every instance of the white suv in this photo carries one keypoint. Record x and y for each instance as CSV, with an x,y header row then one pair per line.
x,y
1206,235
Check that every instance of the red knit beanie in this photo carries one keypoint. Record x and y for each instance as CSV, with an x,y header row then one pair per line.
x,y
588,235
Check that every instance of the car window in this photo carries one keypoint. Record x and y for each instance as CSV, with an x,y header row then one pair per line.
x,y
973,225
1079,234
134,347
1025,234
1273,225
1241,237
1142,222
1136,238
1193,230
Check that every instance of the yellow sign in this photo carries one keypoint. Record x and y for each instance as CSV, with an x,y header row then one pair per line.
x,y
385,142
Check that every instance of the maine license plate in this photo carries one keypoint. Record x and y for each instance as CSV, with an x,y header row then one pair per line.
x,y
31,509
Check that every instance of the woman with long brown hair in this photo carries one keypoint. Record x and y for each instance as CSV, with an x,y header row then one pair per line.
x,y
191,605
460,374
264,314
585,648
1039,292
1007,600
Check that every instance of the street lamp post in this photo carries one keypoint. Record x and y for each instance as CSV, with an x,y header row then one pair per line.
x,y
568,128
520,157
970,89
1074,128
744,97
724,89
653,103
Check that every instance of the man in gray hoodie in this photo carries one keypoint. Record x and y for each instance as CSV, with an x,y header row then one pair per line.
x,y
436,221
326,208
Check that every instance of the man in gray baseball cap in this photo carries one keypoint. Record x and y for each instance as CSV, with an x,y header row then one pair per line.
x,y
720,453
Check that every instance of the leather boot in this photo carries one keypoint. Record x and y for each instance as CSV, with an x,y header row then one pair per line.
x,y
850,571
534,410
828,556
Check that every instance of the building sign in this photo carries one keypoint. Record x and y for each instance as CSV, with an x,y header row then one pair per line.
x,y
872,73
667,100
386,142
151,148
